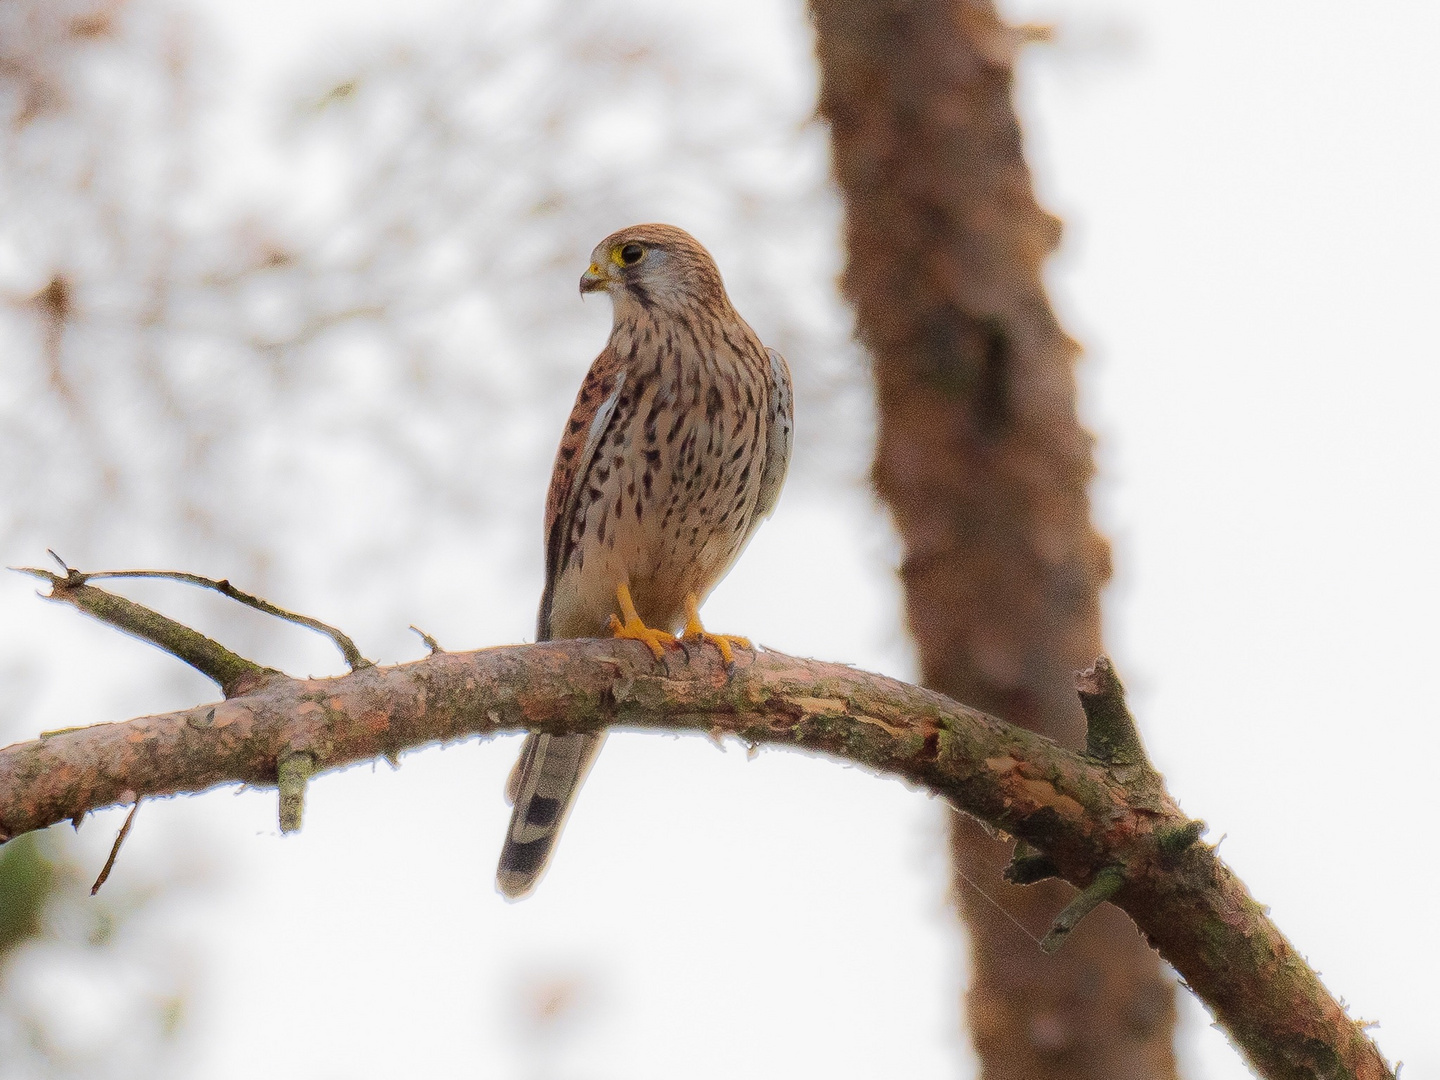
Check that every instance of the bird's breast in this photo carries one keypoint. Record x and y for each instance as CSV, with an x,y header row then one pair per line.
x,y
669,498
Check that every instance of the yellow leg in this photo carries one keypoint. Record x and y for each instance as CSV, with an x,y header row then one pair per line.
x,y
694,631
634,629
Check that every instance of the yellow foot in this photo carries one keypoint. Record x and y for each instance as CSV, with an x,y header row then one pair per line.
x,y
694,631
634,629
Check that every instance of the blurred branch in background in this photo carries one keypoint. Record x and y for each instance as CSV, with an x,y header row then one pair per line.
x,y
985,468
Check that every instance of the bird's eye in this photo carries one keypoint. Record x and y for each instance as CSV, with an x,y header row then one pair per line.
x,y
630,254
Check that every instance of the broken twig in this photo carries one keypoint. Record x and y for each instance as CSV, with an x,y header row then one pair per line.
x,y
353,659
231,672
115,849
1106,884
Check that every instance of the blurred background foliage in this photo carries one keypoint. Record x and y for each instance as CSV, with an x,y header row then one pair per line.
x,y
87,987
328,341
378,298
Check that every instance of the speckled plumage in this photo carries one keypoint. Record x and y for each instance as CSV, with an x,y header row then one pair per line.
x,y
675,450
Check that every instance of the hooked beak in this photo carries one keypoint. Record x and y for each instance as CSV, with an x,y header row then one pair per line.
x,y
594,279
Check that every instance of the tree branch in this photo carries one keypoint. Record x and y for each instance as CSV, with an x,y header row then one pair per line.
x,y
104,874
232,673
353,657
1091,824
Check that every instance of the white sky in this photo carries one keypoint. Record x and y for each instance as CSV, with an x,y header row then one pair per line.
x,y
1250,260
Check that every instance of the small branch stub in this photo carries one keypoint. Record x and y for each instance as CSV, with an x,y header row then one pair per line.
x,y
1106,884
1175,841
430,642
1029,867
1110,732
292,774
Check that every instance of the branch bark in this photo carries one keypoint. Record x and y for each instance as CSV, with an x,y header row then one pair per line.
x,y
1089,821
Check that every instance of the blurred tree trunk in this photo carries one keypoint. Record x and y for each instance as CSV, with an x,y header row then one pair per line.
x,y
984,466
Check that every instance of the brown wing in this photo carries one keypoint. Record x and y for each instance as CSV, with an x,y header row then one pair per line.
x,y
594,408
551,768
779,434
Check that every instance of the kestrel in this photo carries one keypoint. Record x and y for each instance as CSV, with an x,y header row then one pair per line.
x,y
675,451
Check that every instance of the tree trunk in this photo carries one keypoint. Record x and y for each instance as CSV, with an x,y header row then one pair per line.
x,y
984,466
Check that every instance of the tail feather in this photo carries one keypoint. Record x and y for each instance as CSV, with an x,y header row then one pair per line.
x,y
542,787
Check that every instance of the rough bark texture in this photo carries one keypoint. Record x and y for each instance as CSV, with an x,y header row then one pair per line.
x,y
1104,825
984,466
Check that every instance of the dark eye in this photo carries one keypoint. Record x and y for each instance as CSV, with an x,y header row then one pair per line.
x,y
630,254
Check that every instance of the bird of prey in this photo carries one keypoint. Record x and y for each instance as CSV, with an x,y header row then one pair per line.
x,y
675,451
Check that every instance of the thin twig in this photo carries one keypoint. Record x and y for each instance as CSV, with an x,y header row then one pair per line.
x,y
353,658
233,673
71,574
115,849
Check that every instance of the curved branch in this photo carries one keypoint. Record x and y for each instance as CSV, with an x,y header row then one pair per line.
x,y
232,673
353,657
1084,815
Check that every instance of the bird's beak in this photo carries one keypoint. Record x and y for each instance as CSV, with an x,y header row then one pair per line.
x,y
594,280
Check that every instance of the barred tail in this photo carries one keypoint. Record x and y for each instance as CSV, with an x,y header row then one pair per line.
x,y
542,787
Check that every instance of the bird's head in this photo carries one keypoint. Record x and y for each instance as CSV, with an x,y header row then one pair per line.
x,y
653,266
